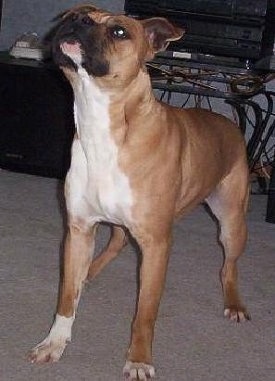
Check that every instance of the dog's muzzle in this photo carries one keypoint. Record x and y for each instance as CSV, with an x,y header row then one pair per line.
x,y
78,40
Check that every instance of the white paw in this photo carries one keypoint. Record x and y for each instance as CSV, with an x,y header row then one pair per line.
x,y
237,315
134,371
47,351
51,349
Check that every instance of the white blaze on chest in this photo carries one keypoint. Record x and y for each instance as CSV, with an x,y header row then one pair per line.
x,y
101,191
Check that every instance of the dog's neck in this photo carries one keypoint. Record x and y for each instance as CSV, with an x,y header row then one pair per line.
x,y
98,104
129,105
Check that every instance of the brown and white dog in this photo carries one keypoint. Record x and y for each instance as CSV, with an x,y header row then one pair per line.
x,y
138,164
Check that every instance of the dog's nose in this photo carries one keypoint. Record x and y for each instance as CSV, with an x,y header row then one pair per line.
x,y
83,19
87,20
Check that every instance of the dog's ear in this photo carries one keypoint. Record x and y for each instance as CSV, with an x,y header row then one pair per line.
x,y
160,32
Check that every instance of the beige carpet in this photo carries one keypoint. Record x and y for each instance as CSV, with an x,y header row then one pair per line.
x,y
193,341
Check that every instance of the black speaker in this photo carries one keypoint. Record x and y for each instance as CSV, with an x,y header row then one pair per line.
x,y
36,118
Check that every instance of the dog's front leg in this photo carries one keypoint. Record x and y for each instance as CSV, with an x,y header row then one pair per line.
x,y
155,252
79,247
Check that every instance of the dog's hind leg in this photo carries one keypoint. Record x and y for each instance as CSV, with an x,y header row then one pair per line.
x,y
79,247
117,242
229,204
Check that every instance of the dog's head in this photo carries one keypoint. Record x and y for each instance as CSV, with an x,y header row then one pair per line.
x,y
110,45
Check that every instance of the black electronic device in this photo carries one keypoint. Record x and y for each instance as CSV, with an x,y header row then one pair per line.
x,y
36,118
242,29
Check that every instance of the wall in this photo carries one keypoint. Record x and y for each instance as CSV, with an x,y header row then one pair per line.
x,y
21,16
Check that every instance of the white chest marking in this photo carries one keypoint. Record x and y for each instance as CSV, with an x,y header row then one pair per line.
x,y
98,189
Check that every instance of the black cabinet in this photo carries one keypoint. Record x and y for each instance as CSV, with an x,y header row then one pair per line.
x,y
36,118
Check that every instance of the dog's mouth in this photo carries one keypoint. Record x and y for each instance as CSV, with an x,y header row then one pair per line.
x,y
73,50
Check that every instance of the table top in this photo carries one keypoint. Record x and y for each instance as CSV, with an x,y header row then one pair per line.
x,y
6,58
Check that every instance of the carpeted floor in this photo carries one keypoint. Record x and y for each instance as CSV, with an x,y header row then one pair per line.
x,y
193,342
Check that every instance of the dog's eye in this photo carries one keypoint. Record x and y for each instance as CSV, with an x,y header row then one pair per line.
x,y
119,32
